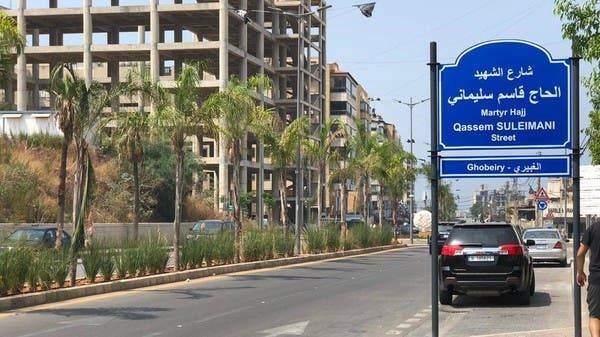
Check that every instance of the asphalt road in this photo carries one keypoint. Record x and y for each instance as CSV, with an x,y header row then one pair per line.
x,y
374,295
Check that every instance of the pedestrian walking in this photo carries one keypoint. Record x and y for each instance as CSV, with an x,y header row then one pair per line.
x,y
591,242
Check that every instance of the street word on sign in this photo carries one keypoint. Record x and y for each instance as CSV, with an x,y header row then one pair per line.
x,y
523,166
504,94
542,195
542,205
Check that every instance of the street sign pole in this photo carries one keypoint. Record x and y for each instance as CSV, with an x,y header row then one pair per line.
x,y
576,191
433,85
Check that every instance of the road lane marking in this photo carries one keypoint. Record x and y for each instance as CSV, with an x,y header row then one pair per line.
x,y
403,326
412,320
421,315
393,332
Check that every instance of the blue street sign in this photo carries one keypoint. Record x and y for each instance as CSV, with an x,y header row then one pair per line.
x,y
493,167
504,94
542,205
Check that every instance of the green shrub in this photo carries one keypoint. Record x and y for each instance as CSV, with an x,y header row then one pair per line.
x,y
59,266
192,254
363,236
349,240
383,236
107,262
120,264
45,260
254,245
41,140
92,259
332,237
14,269
315,240
283,243
131,261
153,254
225,247
209,250
33,274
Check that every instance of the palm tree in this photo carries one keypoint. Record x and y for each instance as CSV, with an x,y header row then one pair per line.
x,y
385,153
281,147
240,115
64,88
319,150
396,175
179,116
363,146
9,38
341,172
132,127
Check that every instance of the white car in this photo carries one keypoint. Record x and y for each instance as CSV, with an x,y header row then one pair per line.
x,y
549,245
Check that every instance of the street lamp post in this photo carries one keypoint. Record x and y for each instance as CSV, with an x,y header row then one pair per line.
x,y
410,105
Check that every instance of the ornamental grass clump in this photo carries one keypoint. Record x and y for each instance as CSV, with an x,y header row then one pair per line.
x,y
91,260
14,269
315,240
107,261
256,246
224,247
363,236
283,243
332,237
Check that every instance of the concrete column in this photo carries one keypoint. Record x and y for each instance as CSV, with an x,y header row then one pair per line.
x,y
21,61
141,65
52,3
114,2
10,89
244,77
260,180
154,37
35,72
87,42
113,67
178,37
223,77
161,62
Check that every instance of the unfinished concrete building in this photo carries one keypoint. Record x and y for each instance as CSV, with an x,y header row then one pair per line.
x,y
235,38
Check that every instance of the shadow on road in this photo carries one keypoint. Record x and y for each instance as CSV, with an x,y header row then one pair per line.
x,y
126,313
279,277
197,293
540,299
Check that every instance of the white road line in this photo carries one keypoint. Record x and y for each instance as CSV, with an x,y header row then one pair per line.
x,y
426,310
403,326
421,315
523,333
412,320
393,332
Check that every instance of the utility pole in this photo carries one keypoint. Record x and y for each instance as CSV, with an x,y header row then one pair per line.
x,y
538,215
411,196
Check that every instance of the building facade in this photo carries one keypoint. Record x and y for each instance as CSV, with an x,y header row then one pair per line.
x,y
234,38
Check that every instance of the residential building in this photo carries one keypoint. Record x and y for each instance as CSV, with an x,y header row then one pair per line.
x,y
234,38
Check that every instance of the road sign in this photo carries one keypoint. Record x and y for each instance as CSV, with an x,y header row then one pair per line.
x,y
542,195
523,166
504,94
542,205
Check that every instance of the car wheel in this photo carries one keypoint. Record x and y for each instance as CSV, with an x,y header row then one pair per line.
x,y
564,263
445,297
523,297
532,286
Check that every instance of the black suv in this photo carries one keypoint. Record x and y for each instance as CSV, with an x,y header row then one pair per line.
x,y
486,258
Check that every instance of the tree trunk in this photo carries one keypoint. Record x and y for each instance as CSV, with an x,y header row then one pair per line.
x,y
343,212
136,193
282,199
380,205
178,196
394,211
365,199
319,195
235,184
62,176
77,190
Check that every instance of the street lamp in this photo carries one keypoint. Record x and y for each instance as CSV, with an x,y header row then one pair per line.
x,y
410,105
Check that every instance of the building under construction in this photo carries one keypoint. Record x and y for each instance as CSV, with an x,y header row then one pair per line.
x,y
284,39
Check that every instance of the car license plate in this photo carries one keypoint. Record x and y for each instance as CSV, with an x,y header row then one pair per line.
x,y
481,258
541,246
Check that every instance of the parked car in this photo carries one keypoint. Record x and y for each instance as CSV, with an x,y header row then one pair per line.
x,y
209,227
353,219
486,259
35,236
549,246
444,228
405,229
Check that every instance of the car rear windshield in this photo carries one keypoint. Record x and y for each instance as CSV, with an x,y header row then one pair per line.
x,y
26,234
541,235
484,235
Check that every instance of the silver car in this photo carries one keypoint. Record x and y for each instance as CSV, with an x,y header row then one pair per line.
x,y
549,245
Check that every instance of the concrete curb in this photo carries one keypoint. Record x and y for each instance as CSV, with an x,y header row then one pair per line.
x,y
62,294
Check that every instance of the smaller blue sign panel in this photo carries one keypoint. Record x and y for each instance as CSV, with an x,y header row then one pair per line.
x,y
496,167
542,205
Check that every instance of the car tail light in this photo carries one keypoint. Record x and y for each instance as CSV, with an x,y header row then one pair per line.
x,y
558,245
451,250
511,250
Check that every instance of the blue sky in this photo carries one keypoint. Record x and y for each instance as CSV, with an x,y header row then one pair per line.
x,y
388,52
